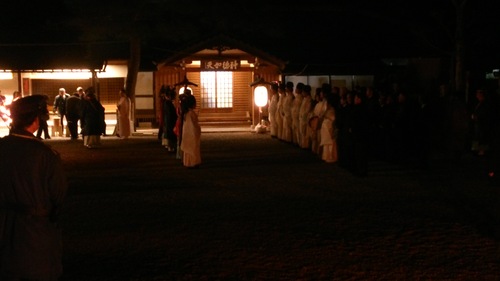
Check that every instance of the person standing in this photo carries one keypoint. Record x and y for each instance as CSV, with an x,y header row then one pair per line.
x,y
287,113
169,120
297,102
92,120
304,114
160,116
73,112
81,92
16,95
482,123
123,114
273,108
60,105
33,186
191,133
279,111
317,118
329,132
4,112
43,126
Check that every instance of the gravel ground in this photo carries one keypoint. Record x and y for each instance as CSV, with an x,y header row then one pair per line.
x,y
261,209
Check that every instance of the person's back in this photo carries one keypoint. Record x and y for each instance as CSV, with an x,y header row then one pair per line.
x,y
43,127
32,188
92,120
73,112
73,106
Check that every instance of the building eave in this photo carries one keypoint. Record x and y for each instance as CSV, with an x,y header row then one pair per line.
x,y
55,57
225,43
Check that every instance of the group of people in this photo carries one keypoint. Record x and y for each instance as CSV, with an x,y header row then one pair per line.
x,y
81,108
314,122
84,107
348,127
179,129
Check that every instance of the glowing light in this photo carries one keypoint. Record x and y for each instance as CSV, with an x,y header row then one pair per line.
x,y
260,96
182,89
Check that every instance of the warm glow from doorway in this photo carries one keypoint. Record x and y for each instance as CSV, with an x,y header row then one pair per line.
x,y
5,75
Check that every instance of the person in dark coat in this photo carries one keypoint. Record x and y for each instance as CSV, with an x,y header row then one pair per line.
x,y
92,120
482,117
169,120
33,186
43,127
73,112
60,105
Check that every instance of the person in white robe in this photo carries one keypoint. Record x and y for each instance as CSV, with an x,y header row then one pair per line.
x,y
316,120
279,111
328,132
191,134
273,107
297,102
123,114
287,111
304,115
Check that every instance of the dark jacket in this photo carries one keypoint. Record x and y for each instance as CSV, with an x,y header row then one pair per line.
x,y
32,188
60,104
73,107
92,119
170,118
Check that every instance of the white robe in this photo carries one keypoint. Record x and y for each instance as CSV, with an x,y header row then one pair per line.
x,y
190,142
287,118
297,102
328,140
304,115
123,111
318,111
273,108
279,117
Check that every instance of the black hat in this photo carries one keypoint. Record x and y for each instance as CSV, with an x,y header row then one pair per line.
x,y
29,105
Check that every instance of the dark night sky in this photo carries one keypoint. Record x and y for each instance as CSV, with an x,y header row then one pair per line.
x,y
308,31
